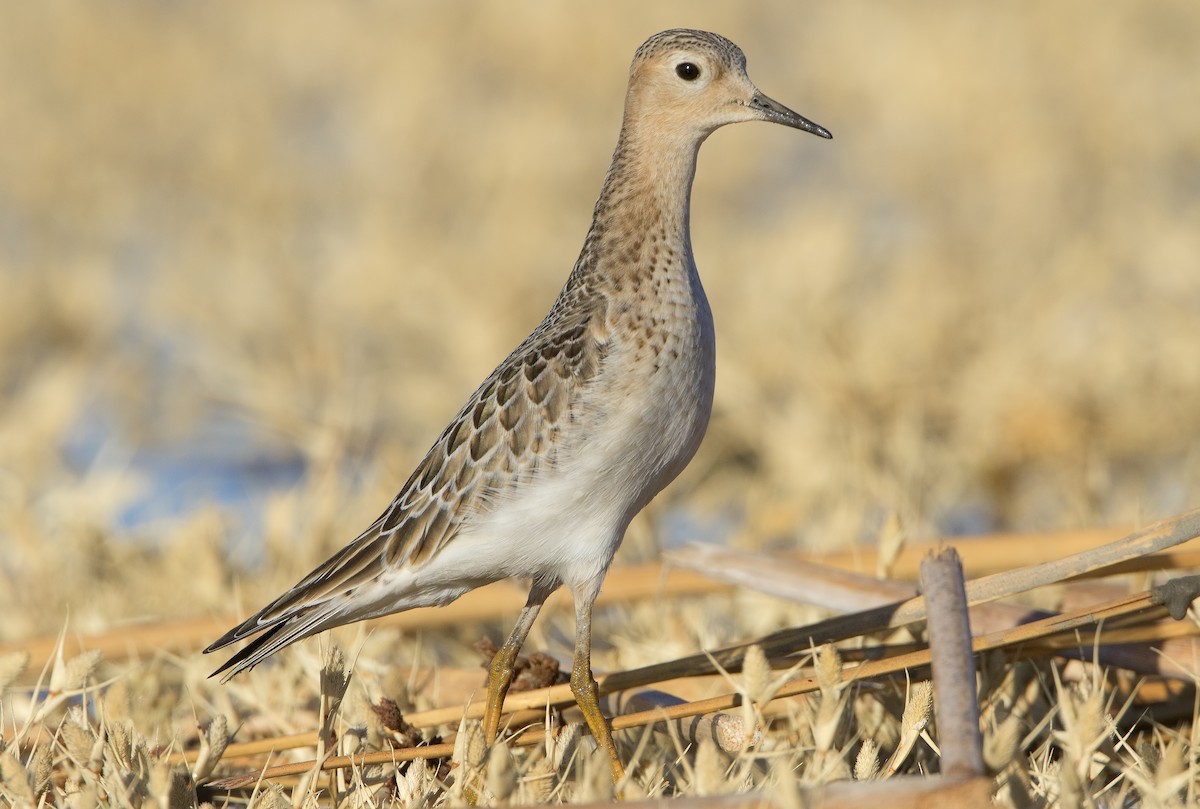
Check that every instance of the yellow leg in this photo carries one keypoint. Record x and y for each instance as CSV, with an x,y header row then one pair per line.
x,y
500,672
587,695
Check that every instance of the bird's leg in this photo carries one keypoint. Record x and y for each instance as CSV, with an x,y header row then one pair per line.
x,y
500,672
583,686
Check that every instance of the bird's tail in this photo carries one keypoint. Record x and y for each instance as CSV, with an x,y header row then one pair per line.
x,y
274,636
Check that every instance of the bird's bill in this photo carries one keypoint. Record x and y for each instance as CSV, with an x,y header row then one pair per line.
x,y
771,110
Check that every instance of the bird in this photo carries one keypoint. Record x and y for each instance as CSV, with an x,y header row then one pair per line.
x,y
542,469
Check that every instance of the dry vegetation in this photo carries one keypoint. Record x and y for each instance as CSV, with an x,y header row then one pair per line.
x,y
253,256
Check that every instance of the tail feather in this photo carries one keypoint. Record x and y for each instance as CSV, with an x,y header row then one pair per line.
x,y
309,606
245,659
295,627
242,630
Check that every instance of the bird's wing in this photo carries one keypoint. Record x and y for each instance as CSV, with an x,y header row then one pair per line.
x,y
508,432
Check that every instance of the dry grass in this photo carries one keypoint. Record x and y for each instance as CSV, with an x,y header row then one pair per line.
x,y
236,242
1054,733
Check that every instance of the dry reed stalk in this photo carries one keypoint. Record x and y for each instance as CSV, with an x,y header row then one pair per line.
x,y
783,576
953,665
833,589
729,732
1164,534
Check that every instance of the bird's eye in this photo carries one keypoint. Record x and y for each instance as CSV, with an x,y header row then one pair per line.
x,y
687,71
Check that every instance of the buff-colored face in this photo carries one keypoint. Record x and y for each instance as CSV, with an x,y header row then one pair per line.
x,y
696,82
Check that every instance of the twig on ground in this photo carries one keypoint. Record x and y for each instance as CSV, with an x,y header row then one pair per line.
x,y
953,664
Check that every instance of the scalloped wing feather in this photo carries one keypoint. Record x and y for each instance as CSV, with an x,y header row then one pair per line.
x,y
508,433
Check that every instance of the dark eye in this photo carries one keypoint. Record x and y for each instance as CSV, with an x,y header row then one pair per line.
x,y
687,71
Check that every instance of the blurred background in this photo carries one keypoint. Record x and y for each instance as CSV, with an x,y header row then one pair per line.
x,y
254,256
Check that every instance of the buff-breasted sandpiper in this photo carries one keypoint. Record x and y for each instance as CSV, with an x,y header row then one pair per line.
x,y
540,472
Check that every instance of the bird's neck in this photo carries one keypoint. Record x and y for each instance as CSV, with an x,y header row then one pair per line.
x,y
640,225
